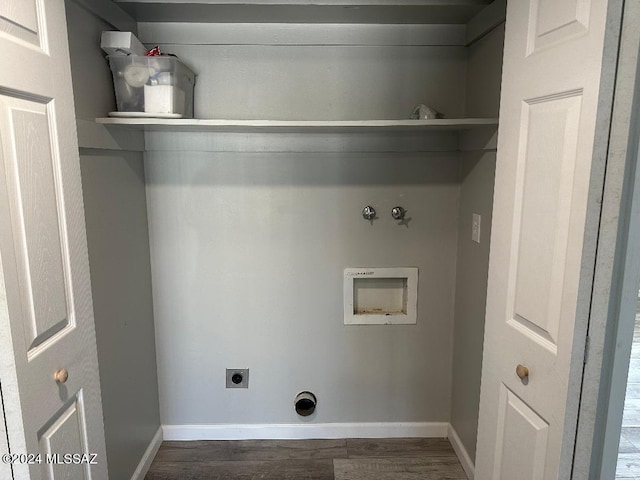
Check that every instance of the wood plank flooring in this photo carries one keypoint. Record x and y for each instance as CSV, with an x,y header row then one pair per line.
x,y
342,459
628,467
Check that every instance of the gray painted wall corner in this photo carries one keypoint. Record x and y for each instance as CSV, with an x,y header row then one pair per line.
x,y
476,196
118,247
484,71
117,237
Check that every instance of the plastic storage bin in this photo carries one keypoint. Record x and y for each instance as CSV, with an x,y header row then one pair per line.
x,y
152,86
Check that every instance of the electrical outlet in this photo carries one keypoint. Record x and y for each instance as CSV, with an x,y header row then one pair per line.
x,y
237,378
475,228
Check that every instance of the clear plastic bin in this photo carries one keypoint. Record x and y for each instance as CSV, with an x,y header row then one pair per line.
x,y
152,85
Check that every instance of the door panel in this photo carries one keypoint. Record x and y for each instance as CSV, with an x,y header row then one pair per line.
x,y
19,20
35,206
548,107
553,21
65,433
522,439
43,243
547,166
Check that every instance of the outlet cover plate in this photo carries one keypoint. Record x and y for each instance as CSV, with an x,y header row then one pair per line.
x,y
245,377
475,227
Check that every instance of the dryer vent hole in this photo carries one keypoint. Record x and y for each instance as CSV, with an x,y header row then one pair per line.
x,y
305,403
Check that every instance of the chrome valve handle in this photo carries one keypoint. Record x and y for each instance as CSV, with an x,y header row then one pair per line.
x,y
368,213
398,213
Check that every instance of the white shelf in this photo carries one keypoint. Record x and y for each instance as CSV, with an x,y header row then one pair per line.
x,y
302,126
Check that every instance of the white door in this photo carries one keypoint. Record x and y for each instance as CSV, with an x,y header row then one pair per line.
x,y
551,72
43,245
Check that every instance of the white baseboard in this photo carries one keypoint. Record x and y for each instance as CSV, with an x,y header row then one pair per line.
x,y
305,431
149,455
461,452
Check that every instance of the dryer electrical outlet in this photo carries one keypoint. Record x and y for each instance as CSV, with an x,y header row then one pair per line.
x,y
237,378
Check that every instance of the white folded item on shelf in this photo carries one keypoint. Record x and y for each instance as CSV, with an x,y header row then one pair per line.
x,y
163,99
121,43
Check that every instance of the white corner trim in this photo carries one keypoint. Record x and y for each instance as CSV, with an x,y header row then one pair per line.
x,y
149,454
304,431
461,452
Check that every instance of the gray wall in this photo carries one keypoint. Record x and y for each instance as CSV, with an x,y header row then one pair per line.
x,y
117,235
248,246
248,252
476,196
324,83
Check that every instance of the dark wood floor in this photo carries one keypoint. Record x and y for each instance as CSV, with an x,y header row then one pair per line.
x,y
343,459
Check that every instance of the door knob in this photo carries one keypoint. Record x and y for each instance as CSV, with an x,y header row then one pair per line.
x,y
522,372
61,375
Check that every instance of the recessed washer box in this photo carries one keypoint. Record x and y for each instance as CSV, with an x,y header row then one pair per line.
x,y
380,296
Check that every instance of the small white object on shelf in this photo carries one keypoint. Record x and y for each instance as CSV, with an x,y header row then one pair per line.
x,y
422,112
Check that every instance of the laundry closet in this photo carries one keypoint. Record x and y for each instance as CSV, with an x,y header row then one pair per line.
x,y
304,258
215,247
